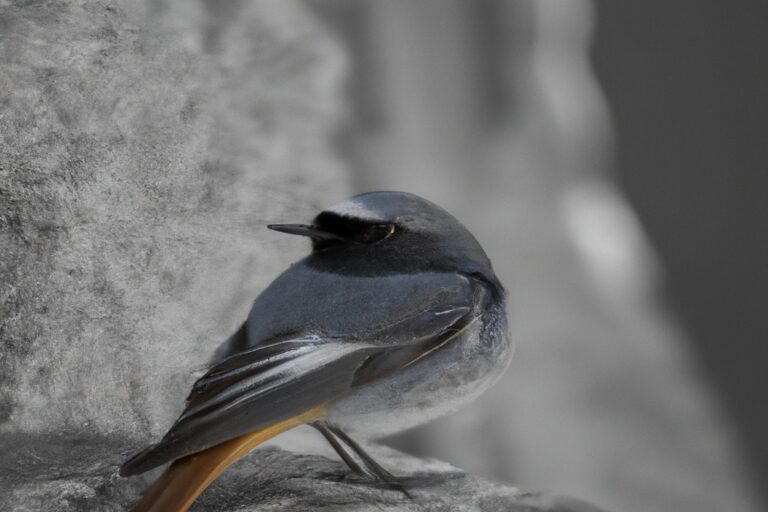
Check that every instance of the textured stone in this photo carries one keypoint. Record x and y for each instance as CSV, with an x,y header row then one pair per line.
x,y
55,474
143,147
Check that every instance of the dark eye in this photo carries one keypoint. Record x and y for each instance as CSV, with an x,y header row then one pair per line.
x,y
350,229
374,233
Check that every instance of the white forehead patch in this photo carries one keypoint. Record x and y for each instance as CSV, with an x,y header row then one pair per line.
x,y
354,209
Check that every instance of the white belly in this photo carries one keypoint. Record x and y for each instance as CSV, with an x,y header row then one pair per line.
x,y
436,385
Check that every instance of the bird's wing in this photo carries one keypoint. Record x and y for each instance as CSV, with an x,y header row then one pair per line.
x,y
278,380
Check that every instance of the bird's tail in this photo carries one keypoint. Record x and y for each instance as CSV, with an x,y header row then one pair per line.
x,y
186,478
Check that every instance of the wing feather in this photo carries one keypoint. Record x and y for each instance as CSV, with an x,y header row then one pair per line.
x,y
274,381
264,370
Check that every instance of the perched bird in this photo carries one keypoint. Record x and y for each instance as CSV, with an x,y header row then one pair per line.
x,y
394,319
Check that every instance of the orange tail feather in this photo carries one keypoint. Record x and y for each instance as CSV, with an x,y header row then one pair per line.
x,y
186,478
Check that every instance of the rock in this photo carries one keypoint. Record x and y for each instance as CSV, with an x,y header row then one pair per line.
x,y
49,473
143,148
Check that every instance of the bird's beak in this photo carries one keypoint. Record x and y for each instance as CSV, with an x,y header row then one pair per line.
x,y
305,230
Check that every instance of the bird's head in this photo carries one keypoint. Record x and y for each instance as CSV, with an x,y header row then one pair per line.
x,y
391,231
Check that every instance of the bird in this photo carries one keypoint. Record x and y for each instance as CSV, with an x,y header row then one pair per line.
x,y
395,318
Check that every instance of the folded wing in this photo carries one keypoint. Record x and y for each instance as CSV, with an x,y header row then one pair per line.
x,y
272,382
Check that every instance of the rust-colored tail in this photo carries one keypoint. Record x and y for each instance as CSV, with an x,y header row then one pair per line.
x,y
186,478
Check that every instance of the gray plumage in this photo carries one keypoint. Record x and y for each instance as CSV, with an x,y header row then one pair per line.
x,y
396,310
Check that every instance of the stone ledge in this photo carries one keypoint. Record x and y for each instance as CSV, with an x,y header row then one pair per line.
x,y
76,474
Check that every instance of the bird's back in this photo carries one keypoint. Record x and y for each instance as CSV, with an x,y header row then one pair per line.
x,y
304,300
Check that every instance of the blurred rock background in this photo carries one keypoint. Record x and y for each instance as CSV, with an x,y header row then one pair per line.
x,y
493,109
144,145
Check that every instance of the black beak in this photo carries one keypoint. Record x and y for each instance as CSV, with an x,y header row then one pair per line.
x,y
304,230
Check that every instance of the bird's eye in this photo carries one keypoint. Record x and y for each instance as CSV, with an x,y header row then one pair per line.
x,y
375,233
350,230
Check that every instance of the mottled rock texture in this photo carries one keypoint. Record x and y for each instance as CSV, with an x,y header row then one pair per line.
x,y
45,477
143,148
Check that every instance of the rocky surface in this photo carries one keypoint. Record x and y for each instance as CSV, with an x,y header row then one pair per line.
x,y
68,475
144,146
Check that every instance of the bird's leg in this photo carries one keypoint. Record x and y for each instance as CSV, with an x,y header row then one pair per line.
x,y
345,456
373,468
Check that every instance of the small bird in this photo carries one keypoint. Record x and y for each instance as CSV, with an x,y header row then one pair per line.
x,y
394,319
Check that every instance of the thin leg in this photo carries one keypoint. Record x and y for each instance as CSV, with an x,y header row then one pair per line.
x,y
370,464
373,466
346,457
